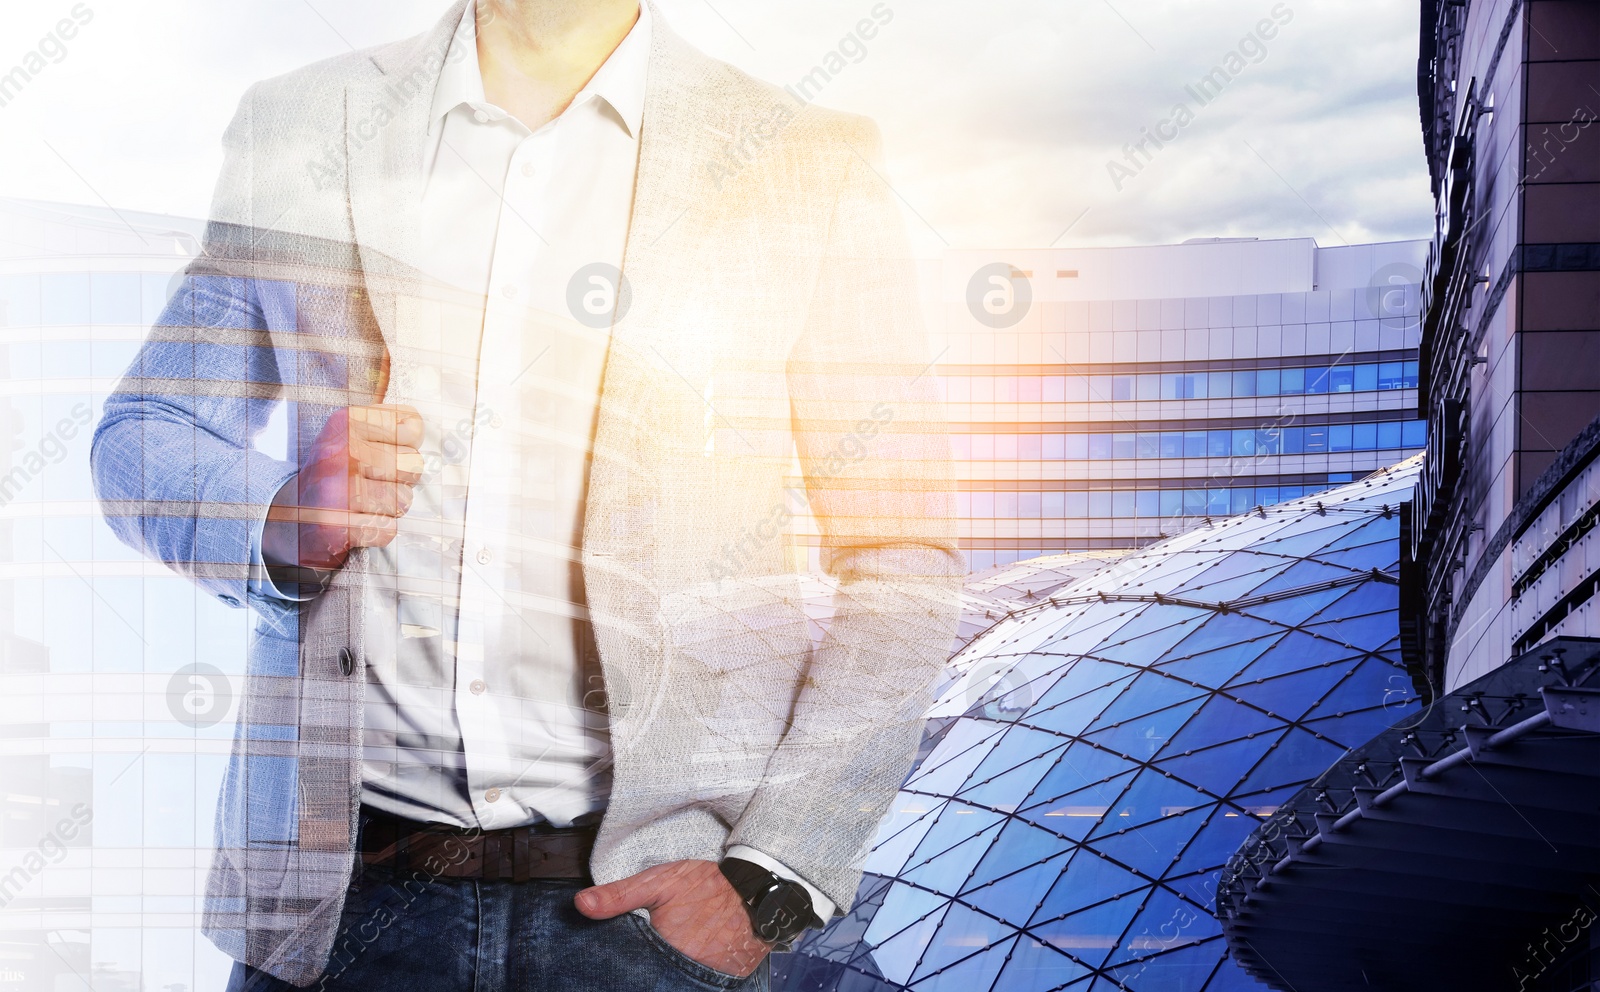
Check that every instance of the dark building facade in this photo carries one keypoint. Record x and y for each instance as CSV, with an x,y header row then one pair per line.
x,y
1460,848
1510,347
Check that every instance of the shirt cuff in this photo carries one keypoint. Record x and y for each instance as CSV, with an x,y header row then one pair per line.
x,y
822,905
261,583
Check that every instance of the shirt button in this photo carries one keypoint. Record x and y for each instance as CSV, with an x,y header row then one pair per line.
x,y
484,557
510,291
493,796
528,169
478,687
480,117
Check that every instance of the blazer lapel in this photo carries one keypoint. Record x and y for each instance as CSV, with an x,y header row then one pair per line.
x,y
386,126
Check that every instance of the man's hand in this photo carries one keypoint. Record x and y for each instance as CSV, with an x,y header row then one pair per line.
x,y
692,907
355,486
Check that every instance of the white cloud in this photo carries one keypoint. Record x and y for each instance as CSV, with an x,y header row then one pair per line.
x,y
999,117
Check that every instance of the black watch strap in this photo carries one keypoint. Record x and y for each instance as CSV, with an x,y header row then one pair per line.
x,y
780,909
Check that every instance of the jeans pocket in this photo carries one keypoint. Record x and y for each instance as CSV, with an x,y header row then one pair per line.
x,y
707,976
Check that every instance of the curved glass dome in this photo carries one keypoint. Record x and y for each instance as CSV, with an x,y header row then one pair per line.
x,y
1105,751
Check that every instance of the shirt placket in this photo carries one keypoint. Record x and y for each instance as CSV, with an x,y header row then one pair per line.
x,y
488,563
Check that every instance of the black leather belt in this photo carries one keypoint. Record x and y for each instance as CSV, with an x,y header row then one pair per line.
x,y
517,854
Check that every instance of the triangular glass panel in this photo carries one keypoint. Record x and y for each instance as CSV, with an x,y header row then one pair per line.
x,y
1142,738
1218,770
1087,882
1008,790
1035,966
1152,848
962,934
1222,719
1090,934
1151,691
1019,845
1298,758
1289,696
1016,897
948,871
1167,924
897,957
910,819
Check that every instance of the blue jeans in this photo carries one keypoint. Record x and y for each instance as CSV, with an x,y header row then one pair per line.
x,y
454,935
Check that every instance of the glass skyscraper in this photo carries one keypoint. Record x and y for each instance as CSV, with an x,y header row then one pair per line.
x,y
1107,397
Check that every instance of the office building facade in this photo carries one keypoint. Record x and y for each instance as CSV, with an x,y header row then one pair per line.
x,y
1105,398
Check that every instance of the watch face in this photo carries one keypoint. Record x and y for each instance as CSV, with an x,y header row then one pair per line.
x,y
783,914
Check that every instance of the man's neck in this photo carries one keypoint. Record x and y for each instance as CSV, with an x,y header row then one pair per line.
x,y
536,55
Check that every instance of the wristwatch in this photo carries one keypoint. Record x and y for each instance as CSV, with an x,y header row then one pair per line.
x,y
780,909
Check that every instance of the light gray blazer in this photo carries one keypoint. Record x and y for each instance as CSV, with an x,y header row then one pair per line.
x,y
773,315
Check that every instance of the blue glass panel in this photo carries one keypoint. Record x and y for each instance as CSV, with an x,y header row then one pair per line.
x,y
1150,797
1147,445
897,956
1172,445
1020,845
1219,720
1268,382
1219,385
1075,814
1218,769
1389,436
1099,447
1016,897
1122,445
1151,847
1020,745
1297,756
1151,691
1364,437
1289,695
1082,767
1036,966
1391,375
1366,378
1165,925
948,871
1217,667
1360,726
1416,433
1293,382
986,954
1092,932
961,934
1076,446
1339,437
1194,444
1140,738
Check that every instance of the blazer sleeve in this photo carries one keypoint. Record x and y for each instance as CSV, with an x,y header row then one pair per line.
x,y
876,460
173,459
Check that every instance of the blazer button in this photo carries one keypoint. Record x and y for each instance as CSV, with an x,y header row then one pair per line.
x,y
347,661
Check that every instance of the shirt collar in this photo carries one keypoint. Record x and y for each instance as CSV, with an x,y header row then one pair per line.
x,y
620,82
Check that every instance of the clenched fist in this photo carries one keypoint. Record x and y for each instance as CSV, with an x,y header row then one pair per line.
x,y
355,486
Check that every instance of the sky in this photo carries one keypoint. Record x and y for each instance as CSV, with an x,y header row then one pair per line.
x,y
1000,117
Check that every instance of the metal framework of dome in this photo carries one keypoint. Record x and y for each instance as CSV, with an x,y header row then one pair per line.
x,y
1106,748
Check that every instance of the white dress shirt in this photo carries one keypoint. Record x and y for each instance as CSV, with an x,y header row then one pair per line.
x,y
489,712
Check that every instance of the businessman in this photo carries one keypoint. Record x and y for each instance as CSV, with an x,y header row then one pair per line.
x,y
489,396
